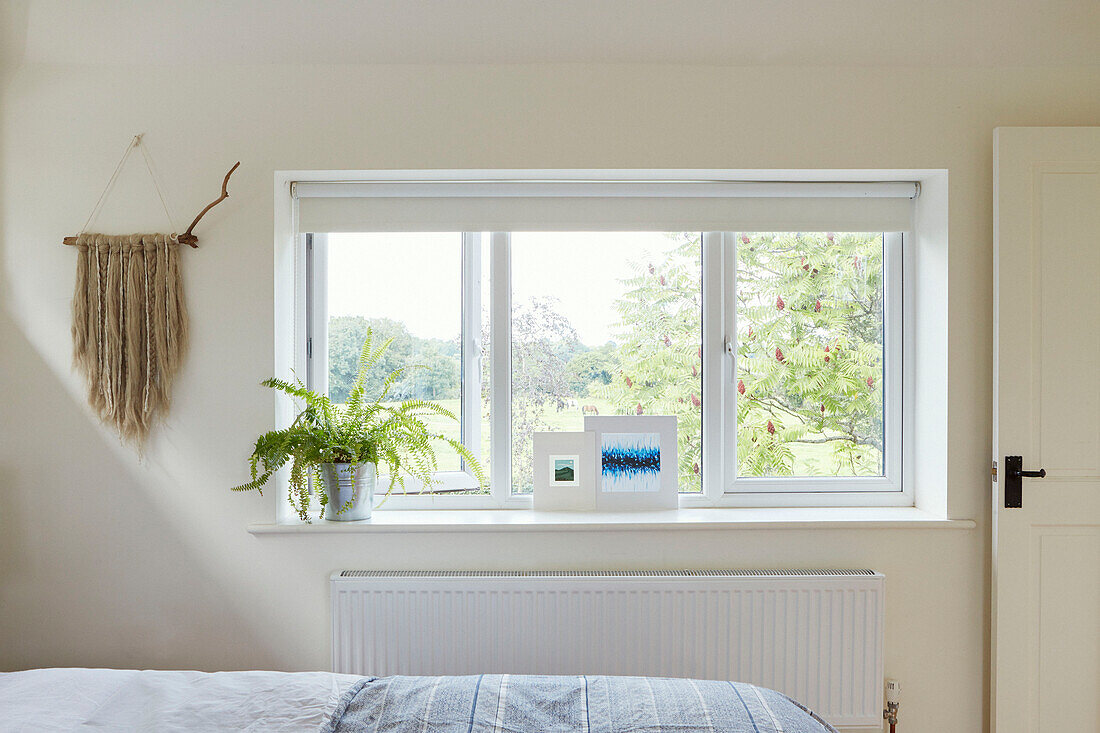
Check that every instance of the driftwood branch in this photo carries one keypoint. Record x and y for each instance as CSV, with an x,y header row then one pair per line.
x,y
215,202
190,239
187,237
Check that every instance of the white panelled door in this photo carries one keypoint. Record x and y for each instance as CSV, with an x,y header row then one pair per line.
x,y
1046,542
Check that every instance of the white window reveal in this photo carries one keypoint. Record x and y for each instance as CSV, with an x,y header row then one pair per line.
x,y
768,317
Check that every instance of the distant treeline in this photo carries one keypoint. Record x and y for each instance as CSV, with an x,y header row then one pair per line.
x,y
437,380
439,377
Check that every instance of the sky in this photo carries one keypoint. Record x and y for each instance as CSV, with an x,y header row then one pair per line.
x,y
416,278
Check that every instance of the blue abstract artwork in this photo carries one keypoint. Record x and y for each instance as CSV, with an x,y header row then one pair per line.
x,y
630,462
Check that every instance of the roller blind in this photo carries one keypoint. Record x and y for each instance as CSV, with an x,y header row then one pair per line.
x,y
603,206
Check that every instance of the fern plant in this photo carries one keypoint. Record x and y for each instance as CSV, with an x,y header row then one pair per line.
x,y
362,430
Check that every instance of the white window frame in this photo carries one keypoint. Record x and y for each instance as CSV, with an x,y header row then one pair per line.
x,y
721,487
315,258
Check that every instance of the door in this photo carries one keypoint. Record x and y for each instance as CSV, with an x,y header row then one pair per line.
x,y
1046,409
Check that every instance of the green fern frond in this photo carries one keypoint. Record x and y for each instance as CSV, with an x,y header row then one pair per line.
x,y
359,431
410,406
298,389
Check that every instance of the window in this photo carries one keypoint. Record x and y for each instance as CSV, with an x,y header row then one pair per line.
x,y
773,331
817,361
424,291
606,323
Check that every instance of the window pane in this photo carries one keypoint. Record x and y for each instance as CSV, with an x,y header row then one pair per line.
x,y
370,284
810,354
606,323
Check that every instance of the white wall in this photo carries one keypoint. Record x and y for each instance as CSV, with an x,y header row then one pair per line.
x,y
107,560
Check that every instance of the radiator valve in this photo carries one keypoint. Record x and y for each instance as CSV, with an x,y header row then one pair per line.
x,y
893,702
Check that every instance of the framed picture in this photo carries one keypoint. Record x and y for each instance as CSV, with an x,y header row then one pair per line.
x,y
564,471
635,461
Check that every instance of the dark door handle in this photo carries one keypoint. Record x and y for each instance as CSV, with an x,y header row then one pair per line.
x,y
1014,487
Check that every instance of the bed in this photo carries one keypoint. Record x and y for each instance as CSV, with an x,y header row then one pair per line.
x,y
130,700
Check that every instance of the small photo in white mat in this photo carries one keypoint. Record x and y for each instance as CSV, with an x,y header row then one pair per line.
x,y
564,470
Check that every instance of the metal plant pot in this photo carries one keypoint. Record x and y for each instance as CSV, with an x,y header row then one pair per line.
x,y
349,482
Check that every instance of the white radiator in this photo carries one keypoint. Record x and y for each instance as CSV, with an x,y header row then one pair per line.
x,y
815,635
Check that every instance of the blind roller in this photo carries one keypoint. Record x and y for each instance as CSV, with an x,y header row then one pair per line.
x,y
603,206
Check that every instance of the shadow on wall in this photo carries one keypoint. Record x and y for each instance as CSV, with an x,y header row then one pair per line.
x,y
71,512
98,564
13,38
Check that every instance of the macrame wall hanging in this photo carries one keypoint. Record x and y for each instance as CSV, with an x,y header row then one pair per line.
x,y
130,323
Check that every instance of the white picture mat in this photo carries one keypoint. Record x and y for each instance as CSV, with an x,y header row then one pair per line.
x,y
665,426
550,496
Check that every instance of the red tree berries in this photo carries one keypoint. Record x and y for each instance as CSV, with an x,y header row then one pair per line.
x,y
639,409
695,401
817,306
695,468
744,239
871,382
779,354
771,428
779,304
668,342
740,386
823,409
829,236
629,382
662,280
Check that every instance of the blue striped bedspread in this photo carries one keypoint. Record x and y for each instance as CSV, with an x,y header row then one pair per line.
x,y
494,703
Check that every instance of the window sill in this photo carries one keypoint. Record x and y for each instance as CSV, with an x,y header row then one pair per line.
x,y
504,520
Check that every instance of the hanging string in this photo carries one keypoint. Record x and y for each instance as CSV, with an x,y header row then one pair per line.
x,y
156,184
149,165
110,182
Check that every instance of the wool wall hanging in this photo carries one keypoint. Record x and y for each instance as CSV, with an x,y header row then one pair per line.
x,y
130,325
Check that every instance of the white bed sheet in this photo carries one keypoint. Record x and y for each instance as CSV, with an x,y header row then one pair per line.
x,y
132,700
